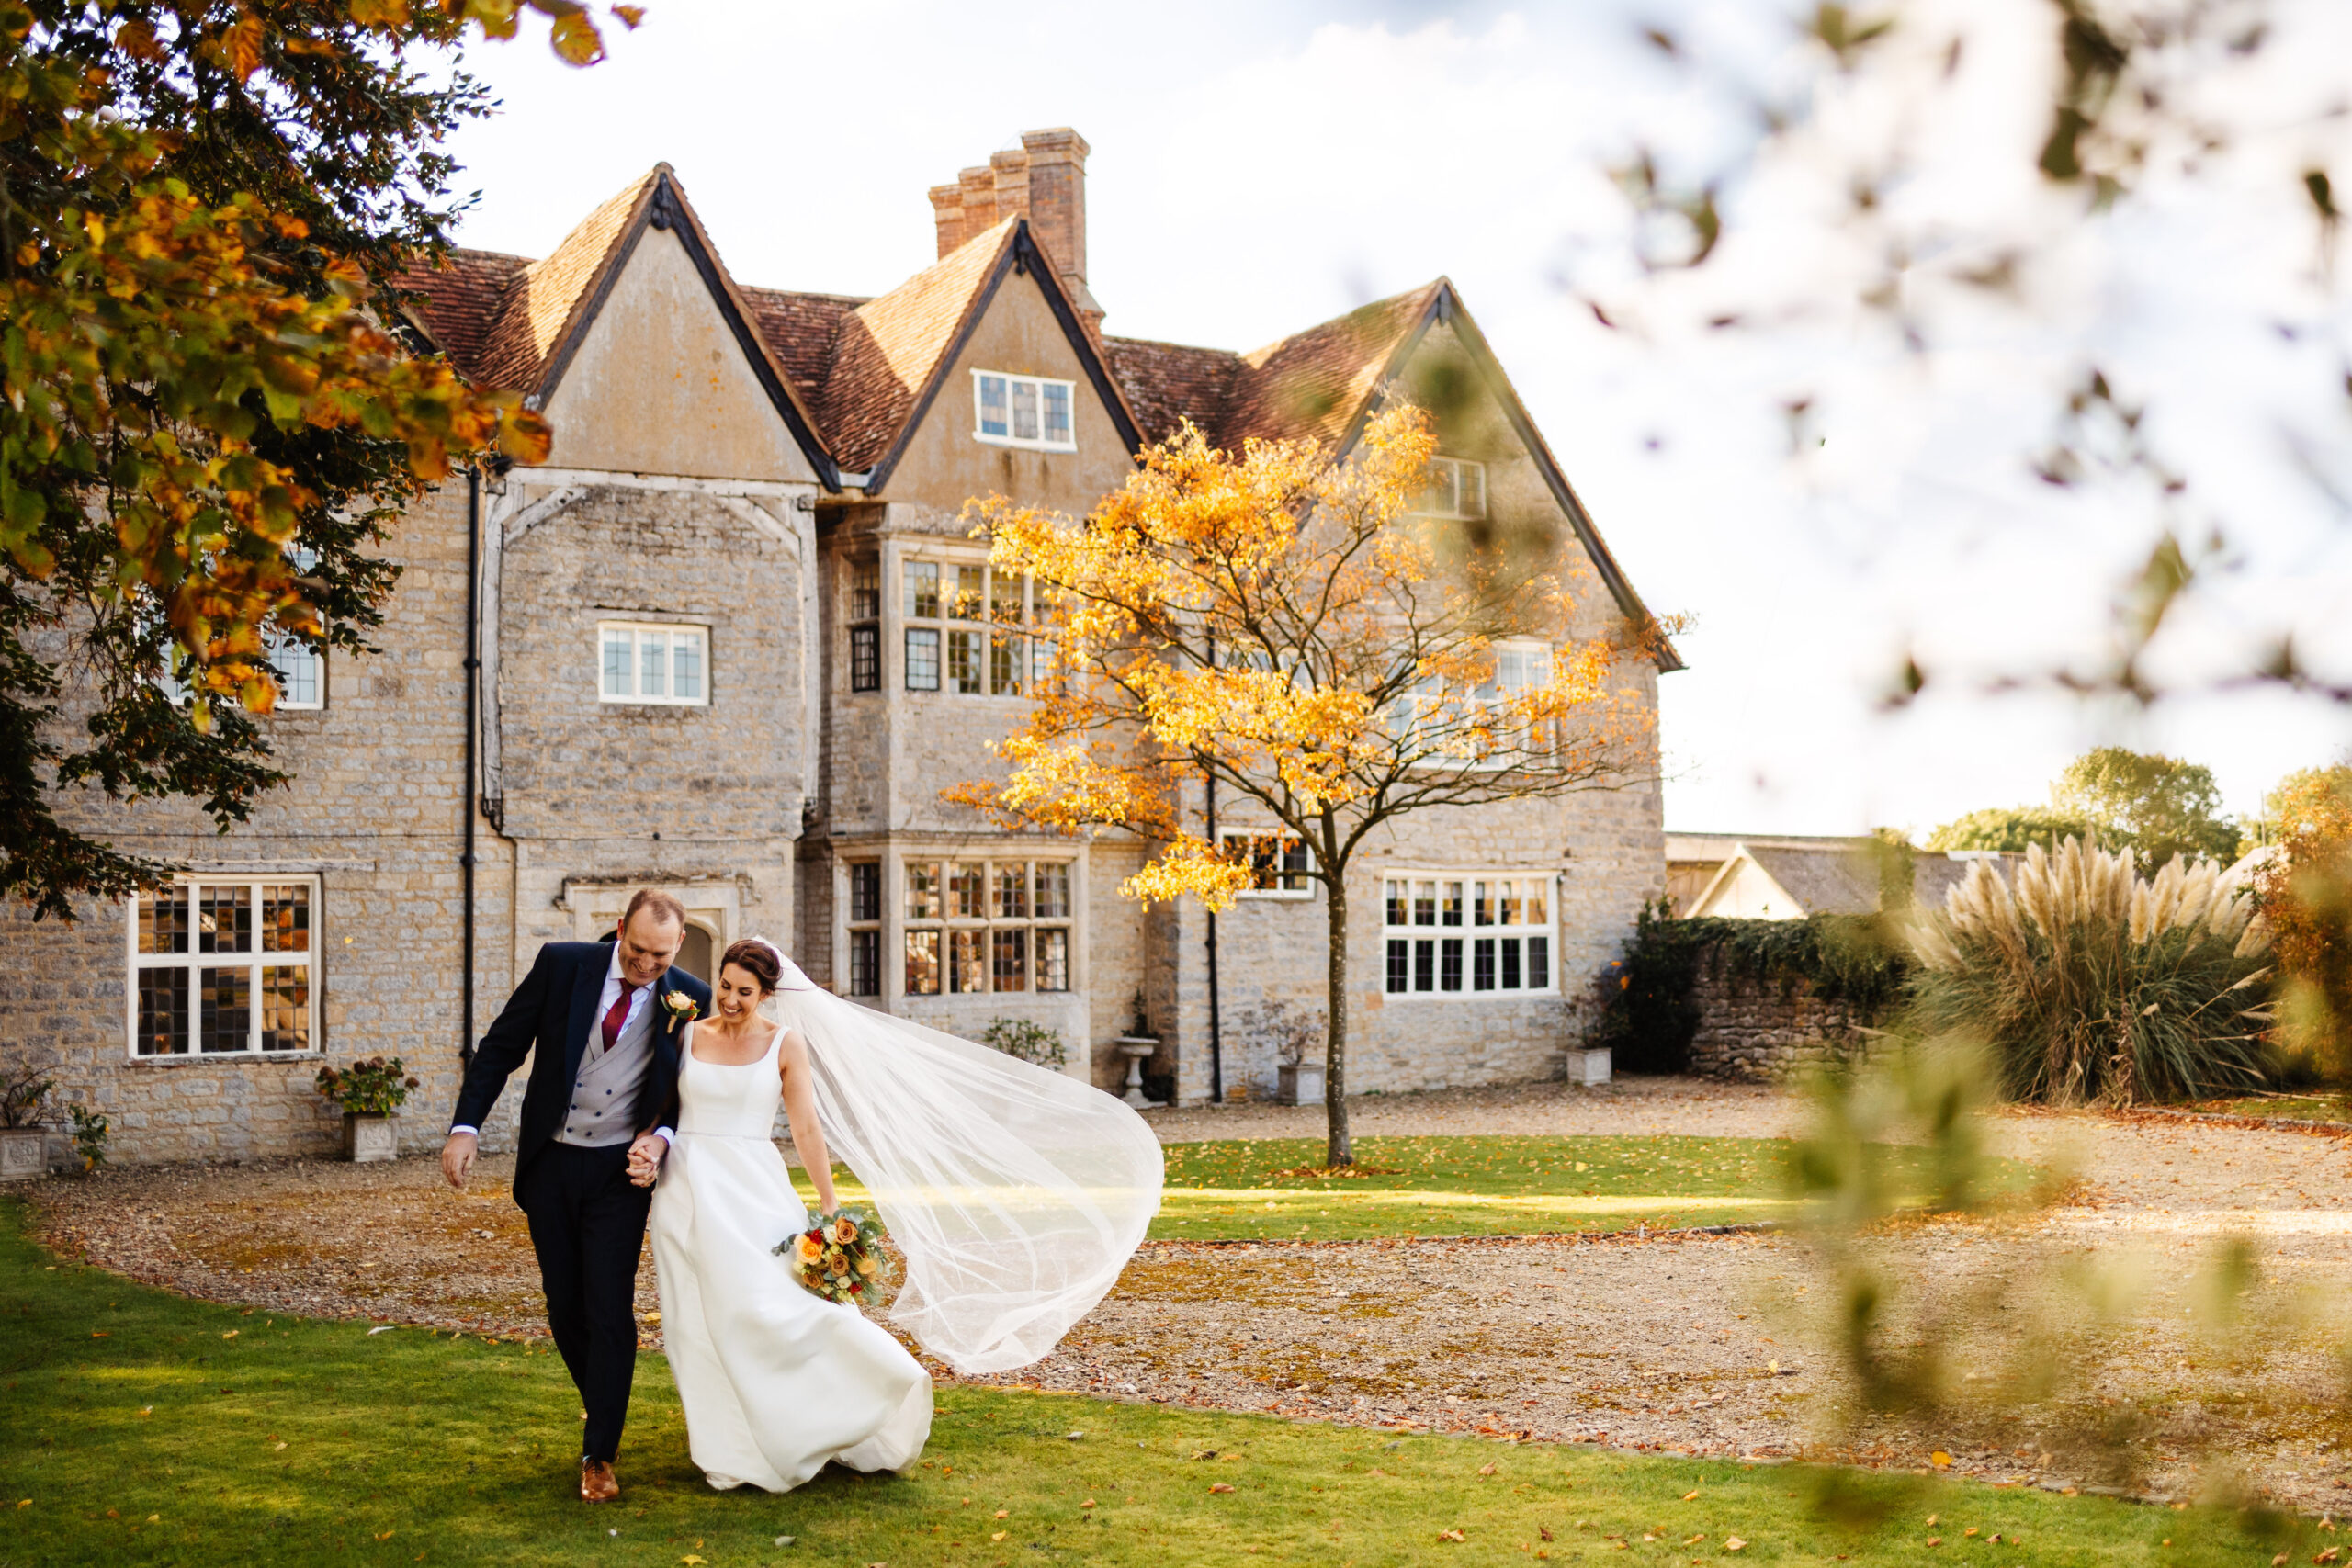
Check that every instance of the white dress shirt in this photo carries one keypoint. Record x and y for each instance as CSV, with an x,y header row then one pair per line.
x,y
638,1000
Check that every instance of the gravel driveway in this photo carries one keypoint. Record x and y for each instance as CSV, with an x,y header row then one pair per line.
x,y
1675,1342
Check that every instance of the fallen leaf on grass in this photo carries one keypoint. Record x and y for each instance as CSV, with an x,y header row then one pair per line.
x,y
1088,1503
109,1334
1000,1513
1220,1486
997,1536
1940,1460
1687,1497
386,1536
1935,1541
1486,1470
2330,1555
1733,1543
233,1334
1450,1535
1543,1531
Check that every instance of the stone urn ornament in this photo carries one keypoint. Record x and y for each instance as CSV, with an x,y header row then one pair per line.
x,y
370,1092
23,1142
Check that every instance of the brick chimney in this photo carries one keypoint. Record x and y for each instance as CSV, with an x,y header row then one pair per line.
x,y
1043,181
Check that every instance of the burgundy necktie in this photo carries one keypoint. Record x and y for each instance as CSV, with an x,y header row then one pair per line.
x,y
618,1015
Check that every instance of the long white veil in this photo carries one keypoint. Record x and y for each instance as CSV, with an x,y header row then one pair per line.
x,y
1016,1194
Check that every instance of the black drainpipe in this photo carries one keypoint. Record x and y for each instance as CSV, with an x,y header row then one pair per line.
x,y
466,794
1217,1038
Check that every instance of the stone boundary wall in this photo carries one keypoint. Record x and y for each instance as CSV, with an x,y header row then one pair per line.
x,y
1758,1030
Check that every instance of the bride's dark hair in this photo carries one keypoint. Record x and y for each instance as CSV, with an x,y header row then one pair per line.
x,y
756,959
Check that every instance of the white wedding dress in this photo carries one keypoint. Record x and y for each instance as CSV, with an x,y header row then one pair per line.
x,y
775,1381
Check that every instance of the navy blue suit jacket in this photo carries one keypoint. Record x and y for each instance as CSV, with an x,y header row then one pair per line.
x,y
549,1017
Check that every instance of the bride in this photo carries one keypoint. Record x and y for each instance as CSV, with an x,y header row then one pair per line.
x,y
1015,1196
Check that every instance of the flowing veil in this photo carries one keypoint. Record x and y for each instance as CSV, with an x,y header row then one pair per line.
x,y
1016,1194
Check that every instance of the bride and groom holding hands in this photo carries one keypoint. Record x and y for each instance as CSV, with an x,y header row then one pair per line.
x,y
1013,1195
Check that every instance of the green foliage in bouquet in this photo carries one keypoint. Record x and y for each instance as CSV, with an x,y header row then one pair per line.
x,y
841,1257
373,1087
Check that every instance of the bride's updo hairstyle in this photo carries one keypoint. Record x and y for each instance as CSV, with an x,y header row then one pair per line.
x,y
756,959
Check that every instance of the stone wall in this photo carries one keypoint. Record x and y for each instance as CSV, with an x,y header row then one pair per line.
x,y
1752,1030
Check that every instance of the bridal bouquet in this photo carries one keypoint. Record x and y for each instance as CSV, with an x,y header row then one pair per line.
x,y
839,1258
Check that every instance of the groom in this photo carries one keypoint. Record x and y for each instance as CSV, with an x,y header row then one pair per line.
x,y
604,1018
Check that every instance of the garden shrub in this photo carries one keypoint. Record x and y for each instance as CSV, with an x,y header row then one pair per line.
x,y
2092,983
1649,1016
1031,1043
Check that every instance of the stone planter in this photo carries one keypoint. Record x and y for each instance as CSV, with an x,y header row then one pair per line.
x,y
22,1153
1299,1083
1589,1069
367,1139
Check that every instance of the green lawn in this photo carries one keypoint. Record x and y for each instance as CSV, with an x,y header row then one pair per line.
x,y
1236,1189
140,1427
2284,1108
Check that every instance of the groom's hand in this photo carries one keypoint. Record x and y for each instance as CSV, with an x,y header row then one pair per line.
x,y
457,1158
644,1157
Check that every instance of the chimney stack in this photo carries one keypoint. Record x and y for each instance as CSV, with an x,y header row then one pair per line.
x,y
1043,181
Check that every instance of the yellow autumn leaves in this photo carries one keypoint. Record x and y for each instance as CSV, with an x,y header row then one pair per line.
x,y
1283,623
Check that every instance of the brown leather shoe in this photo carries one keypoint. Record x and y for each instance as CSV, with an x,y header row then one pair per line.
x,y
596,1481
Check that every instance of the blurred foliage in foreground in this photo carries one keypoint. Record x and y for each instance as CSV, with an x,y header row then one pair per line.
x,y
1968,1327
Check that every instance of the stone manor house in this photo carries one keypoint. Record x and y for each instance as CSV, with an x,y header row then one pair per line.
x,y
735,637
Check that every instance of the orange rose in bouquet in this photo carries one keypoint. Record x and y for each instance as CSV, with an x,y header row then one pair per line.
x,y
840,1257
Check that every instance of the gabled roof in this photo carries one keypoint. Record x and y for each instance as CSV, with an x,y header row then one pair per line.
x,y
854,378
891,353
544,309
1324,383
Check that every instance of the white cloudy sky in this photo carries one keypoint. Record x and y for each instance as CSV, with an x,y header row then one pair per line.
x,y
1258,168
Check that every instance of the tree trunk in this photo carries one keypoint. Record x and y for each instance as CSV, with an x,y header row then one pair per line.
x,y
1341,1147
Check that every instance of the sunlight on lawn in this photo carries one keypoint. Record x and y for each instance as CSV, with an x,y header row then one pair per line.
x,y
142,1428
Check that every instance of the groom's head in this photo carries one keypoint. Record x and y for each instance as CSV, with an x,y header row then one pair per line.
x,y
652,929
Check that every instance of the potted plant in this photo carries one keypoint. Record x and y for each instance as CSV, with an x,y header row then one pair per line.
x,y
369,1092
23,1140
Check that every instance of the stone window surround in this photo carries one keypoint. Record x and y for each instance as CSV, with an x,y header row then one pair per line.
x,y
894,853
1551,879
252,875
897,622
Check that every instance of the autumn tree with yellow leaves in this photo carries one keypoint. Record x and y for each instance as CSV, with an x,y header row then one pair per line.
x,y
1285,629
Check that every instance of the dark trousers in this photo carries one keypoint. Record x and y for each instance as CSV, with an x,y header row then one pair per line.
x,y
588,1227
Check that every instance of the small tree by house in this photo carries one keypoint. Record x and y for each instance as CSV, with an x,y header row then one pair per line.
x,y
1284,627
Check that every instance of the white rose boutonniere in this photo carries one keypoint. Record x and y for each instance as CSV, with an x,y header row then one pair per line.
x,y
684,1009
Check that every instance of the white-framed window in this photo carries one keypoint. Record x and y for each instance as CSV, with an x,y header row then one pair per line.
x,y
225,966
1277,861
1456,488
1521,665
664,665
962,636
1024,410
976,925
1457,934
301,673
